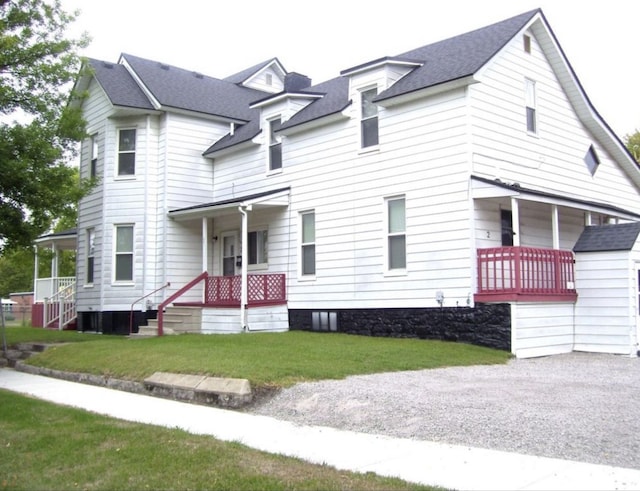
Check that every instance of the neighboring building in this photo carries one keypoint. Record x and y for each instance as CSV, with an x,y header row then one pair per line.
x,y
437,193
22,306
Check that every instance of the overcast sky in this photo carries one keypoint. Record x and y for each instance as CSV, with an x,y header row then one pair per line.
x,y
319,39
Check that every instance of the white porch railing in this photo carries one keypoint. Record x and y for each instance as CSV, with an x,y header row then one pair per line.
x,y
60,308
48,287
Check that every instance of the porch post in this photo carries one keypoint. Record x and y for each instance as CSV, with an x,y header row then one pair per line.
x,y
35,274
556,227
244,268
515,218
54,261
205,243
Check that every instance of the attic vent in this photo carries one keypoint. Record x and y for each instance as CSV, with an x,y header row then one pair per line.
x,y
198,75
107,65
163,66
526,40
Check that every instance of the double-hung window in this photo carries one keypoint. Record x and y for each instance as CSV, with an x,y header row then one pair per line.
x,y
127,152
368,118
93,166
308,243
275,145
124,253
530,102
396,234
91,249
258,248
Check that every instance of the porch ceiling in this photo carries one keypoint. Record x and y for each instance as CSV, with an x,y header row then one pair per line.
x,y
484,188
269,199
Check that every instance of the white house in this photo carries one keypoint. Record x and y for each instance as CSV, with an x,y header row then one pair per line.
x,y
438,193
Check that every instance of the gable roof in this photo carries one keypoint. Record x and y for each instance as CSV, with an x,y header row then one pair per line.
x,y
619,237
242,76
119,85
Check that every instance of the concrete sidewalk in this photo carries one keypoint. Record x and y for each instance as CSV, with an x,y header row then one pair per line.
x,y
444,465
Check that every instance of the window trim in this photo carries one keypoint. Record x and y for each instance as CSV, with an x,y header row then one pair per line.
x,y
265,247
388,234
366,119
95,153
117,253
274,144
531,109
119,152
90,262
301,274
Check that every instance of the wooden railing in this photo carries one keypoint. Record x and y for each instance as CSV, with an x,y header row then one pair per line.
x,y
526,274
262,289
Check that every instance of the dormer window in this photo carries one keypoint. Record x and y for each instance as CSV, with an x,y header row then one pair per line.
x,y
275,145
368,118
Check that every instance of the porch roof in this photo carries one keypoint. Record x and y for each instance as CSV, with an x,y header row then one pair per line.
x,y
65,240
267,199
614,237
482,187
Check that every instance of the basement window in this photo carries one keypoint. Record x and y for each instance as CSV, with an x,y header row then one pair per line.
x,y
324,321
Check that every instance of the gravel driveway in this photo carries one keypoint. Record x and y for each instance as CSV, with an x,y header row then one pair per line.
x,y
578,406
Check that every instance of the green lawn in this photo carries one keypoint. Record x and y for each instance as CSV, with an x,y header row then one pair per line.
x,y
266,359
51,447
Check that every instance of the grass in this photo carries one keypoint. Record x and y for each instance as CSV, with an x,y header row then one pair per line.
x,y
267,360
45,446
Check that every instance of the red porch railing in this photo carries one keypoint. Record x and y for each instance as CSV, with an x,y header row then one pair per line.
x,y
526,274
262,289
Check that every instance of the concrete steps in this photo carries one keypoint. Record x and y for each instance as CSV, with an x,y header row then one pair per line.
x,y
177,320
21,351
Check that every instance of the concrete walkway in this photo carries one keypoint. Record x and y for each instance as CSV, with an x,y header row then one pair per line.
x,y
423,462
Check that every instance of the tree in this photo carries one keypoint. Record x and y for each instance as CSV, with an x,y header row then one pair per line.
x,y
37,68
632,142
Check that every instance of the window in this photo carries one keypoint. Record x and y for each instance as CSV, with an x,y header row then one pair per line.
x,y
396,234
530,89
93,168
526,39
124,253
592,160
91,243
127,153
258,247
275,145
308,241
369,118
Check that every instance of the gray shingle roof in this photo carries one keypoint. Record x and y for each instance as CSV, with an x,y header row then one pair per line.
x,y
119,85
620,237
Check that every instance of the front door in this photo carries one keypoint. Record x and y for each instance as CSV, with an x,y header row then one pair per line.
x,y
229,252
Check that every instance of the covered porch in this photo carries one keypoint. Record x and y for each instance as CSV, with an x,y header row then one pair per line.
x,y
54,296
238,278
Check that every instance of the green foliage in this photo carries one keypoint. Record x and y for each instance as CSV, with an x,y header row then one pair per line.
x,y
632,142
37,68
16,271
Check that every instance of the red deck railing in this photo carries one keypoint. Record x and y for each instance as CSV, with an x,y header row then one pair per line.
x,y
262,289
525,273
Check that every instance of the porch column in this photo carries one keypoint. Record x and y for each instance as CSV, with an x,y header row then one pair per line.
x,y
244,269
35,274
556,227
205,243
515,218
54,261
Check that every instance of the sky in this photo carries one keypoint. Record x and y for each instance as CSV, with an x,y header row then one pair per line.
x,y
320,39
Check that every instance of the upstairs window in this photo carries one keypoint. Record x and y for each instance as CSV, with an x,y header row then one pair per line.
x,y
368,118
127,152
275,145
592,160
124,253
530,102
258,248
396,234
91,249
308,243
93,166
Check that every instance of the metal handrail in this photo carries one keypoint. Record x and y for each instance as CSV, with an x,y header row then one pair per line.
x,y
142,298
177,294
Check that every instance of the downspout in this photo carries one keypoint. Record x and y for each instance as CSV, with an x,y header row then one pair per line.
x,y
244,269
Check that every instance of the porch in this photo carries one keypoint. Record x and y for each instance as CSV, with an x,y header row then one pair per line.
x,y
54,303
514,273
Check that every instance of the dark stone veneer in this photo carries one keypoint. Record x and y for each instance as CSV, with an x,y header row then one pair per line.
x,y
484,325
